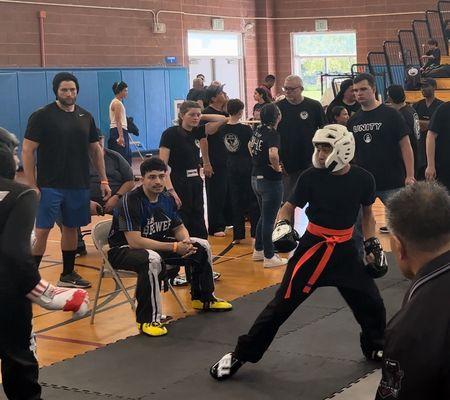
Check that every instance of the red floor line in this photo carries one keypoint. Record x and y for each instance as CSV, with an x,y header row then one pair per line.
x,y
67,340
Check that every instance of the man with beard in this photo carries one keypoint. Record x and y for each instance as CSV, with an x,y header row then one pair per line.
x,y
64,137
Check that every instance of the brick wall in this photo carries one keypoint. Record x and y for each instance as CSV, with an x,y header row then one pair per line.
x,y
91,37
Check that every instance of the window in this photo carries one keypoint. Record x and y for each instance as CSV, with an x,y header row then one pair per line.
x,y
320,53
214,44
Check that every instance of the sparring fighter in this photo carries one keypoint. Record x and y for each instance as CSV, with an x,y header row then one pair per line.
x,y
146,234
326,254
20,281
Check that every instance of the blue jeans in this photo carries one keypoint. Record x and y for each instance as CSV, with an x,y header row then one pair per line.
x,y
358,236
269,195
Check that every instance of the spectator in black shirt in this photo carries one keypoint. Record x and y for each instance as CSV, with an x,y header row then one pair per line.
x,y
438,146
236,137
345,98
396,98
266,183
301,117
267,85
179,148
197,93
339,115
64,137
416,363
432,57
425,109
219,210
261,97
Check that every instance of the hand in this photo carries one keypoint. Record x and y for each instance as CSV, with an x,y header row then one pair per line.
x,y
94,207
278,168
208,170
121,141
430,173
283,171
106,191
183,248
176,198
111,204
410,180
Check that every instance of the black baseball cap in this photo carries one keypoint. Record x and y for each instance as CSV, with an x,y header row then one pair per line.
x,y
428,82
213,91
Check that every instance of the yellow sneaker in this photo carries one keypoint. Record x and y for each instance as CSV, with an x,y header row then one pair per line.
x,y
213,305
152,329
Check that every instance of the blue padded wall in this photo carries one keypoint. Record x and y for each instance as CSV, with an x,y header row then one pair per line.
x,y
152,92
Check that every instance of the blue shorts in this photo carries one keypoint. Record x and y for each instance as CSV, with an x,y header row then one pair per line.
x,y
71,204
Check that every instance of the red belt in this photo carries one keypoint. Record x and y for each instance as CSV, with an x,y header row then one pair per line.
x,y
331,238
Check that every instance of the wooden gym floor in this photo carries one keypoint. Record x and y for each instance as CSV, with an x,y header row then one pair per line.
x,y
59,337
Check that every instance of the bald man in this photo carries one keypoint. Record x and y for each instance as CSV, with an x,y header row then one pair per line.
x,y
301,117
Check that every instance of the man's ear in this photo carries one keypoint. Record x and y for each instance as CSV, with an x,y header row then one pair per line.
x,y
398,245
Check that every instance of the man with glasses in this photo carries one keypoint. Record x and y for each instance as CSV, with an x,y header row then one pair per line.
x,y
301,117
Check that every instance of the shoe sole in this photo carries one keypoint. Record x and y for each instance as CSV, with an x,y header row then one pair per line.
x,y
72,285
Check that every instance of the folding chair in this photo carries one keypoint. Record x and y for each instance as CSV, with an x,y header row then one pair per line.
x,y
100,234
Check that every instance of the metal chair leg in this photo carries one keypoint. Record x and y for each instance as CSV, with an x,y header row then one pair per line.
x,y
97,292
180,303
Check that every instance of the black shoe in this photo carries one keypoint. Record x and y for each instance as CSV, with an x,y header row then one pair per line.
x,y
81,251
73,280
226,367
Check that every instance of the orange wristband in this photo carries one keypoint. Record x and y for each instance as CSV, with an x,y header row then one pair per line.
x,y
175,247
104,183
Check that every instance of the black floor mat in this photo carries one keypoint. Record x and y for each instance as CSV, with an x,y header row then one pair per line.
x,y
316,353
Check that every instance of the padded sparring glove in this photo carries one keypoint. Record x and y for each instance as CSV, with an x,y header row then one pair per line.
x,y
377,265
284,237
56,298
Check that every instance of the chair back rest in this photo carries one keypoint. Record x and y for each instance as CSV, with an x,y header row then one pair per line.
x,y
100,234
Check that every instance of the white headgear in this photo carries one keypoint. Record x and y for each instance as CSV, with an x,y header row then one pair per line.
x,y
342,142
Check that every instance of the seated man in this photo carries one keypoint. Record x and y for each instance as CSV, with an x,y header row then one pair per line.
x,y
120,178
146,233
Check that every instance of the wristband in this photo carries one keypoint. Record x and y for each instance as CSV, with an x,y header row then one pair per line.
x,y
104,183
175,247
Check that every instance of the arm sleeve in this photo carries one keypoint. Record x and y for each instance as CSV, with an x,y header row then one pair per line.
x,y
175,217
93,134
167,139
125,170
129,212
398,124
368,195
16,241
273,140
300,194
248,134
34,127
438,120
199,132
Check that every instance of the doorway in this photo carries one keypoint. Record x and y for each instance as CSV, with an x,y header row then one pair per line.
x,y
218,56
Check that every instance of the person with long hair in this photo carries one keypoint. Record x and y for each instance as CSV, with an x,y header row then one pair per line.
x,y
119,139
266,183
179,148
261,98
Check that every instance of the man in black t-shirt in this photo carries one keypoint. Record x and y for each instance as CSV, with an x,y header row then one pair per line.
x,y
438,146
425,109
147,232
334,191
301,117
219,210
64,137
396,98
432,57
382,141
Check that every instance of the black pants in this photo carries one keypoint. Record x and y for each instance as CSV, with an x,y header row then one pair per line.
x,y
216,194
125,151
148,265
243,199
20,368
192,212
345,271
